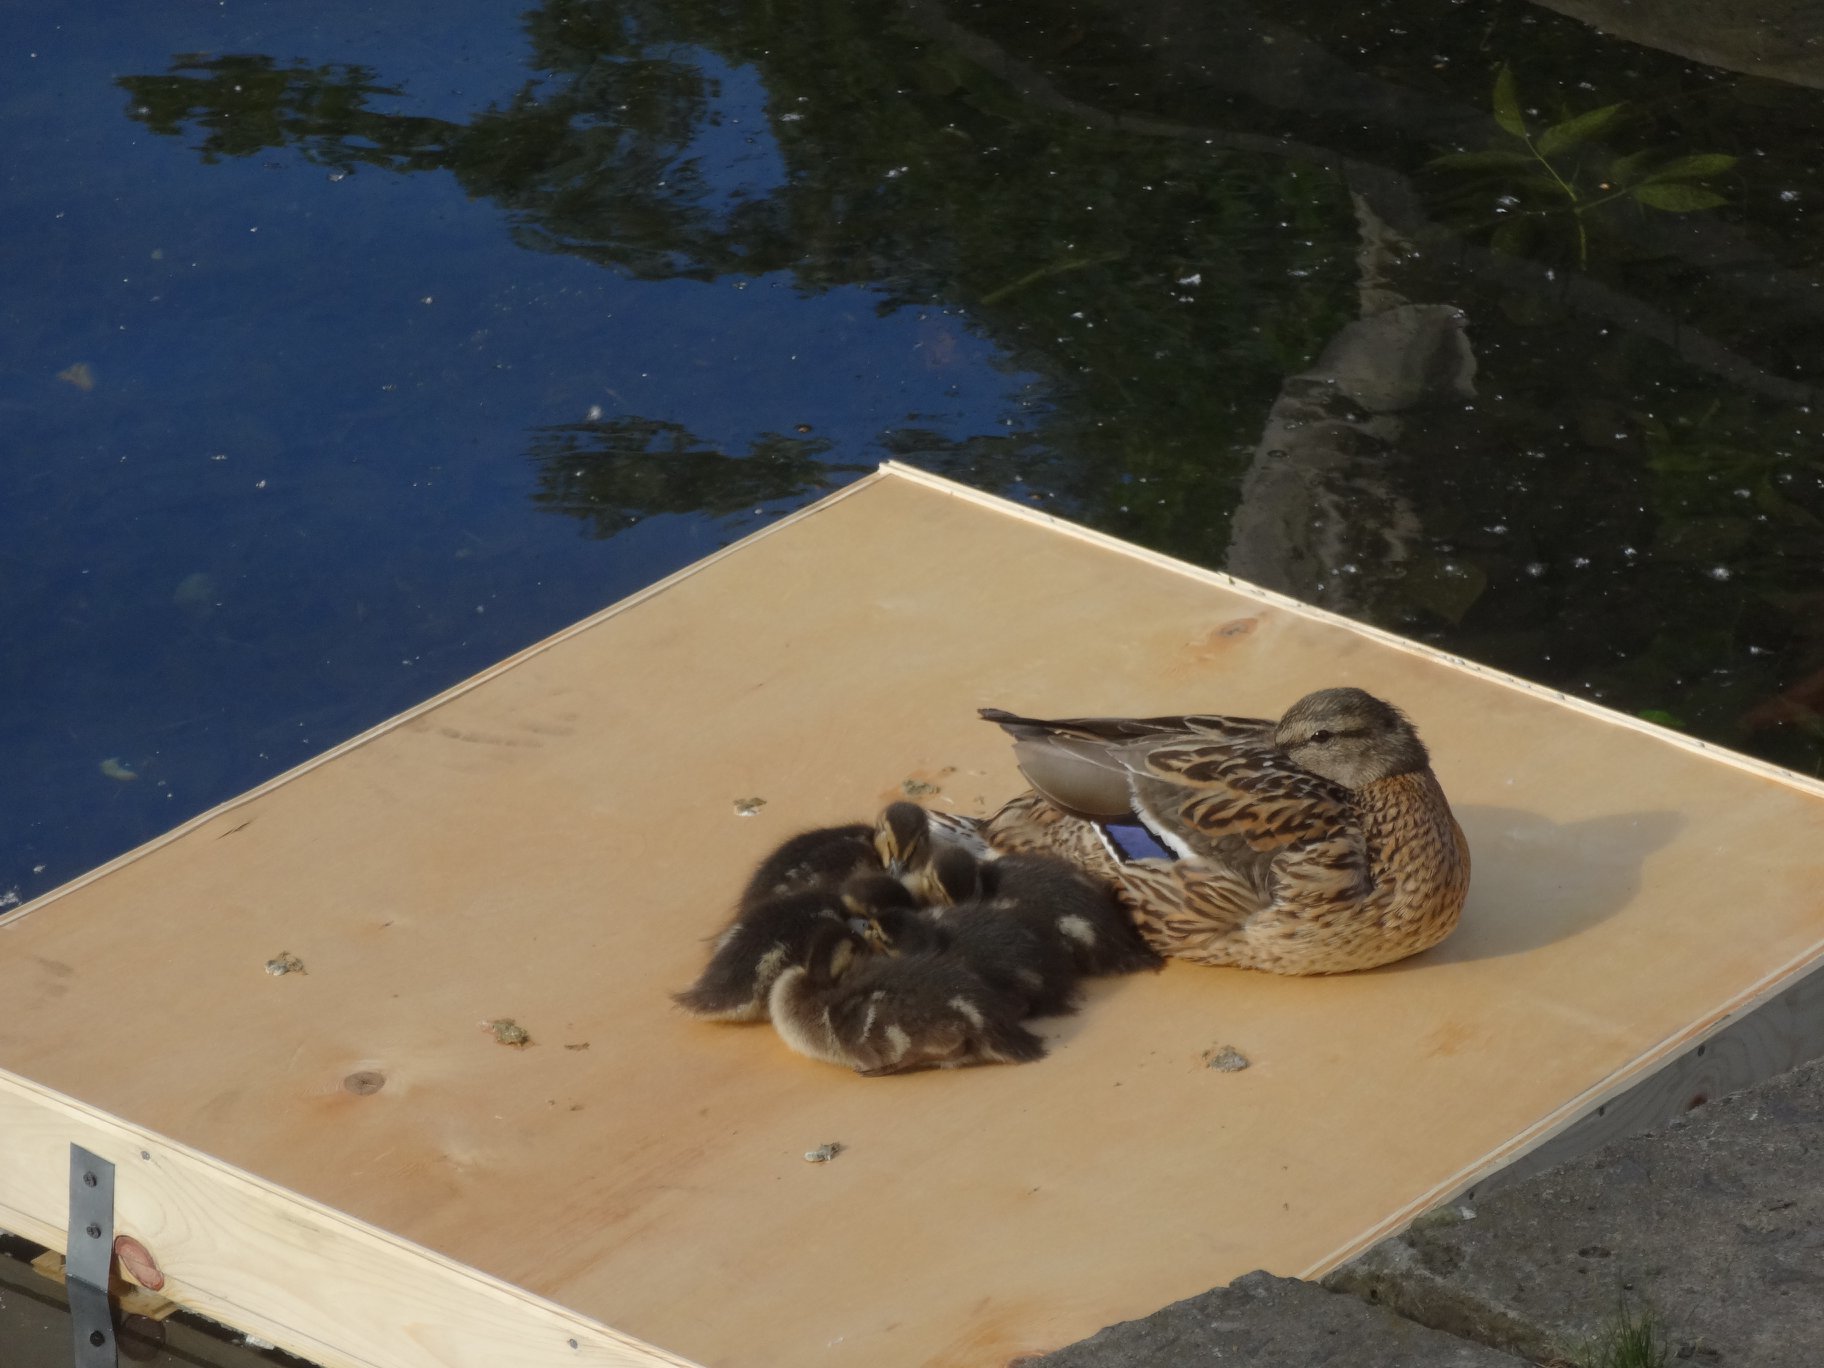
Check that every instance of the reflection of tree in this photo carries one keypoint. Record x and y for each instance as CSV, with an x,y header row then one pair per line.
x,y
1177,306
246,104
615,471
1163,261
614,190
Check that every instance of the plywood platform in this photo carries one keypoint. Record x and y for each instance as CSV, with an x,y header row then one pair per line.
x,y
551,842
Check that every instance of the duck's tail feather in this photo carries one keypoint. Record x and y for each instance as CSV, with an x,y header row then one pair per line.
x,y
1077,763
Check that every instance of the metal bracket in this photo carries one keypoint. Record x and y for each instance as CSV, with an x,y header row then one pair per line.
x,y
90,1257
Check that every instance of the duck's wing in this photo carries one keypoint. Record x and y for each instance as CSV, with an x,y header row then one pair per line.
x,y
1213,789
1241,804
1083,764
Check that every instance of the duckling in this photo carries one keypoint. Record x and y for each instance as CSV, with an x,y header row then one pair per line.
x,y
1080,908
824,855
907,838
956,877
902,837
1030,968
865,896
880,1015
1070,909
766,936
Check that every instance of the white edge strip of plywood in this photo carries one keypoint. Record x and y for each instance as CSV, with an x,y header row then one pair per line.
x,y
308,1278
1587,1103
436,701
1778,1034
1719,754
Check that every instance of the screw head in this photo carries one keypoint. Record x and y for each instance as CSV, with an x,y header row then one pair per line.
x,y
94,1231
97,1339
89,1180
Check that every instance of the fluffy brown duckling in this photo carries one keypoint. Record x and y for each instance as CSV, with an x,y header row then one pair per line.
x,y
902,837
908,838
791,893
825,855
1071,910
1024,964
881,1015
767,936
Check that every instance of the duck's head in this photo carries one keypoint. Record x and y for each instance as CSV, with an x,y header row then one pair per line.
x,y
899,931
954,876
902,836
884,912
865,895
1350,737
832,953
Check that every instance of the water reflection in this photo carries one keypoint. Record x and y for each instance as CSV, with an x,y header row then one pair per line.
x,y
612,472
1111,257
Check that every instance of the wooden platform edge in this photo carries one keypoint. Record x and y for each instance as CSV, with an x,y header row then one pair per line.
x,y
1773,1027
1721,754
270,1262
44,1338
1780,1034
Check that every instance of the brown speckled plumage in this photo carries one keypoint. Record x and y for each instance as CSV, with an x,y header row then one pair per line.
x,y
1342,858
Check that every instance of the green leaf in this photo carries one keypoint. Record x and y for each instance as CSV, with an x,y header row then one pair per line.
x,y
1661,717
1694,168
1507,103
1482,161
1573,131
1621,170
1679,199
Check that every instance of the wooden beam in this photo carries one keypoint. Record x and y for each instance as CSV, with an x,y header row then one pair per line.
x,y
256,1257
132,1299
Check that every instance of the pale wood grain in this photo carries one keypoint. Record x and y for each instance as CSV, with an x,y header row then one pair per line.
x,y
554,841
1763,1041
256,1257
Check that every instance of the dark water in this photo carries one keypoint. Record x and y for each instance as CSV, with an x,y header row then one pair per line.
x,y
348,348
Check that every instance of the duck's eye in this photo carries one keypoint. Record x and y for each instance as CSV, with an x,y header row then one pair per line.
x,y
1320,736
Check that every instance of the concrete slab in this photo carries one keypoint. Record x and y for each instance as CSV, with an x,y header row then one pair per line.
x,y
1716,1223
1260,1321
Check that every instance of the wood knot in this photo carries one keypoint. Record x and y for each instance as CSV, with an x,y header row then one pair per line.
x,y
364,1081
137,1262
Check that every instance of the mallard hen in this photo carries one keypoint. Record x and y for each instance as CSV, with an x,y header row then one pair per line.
x,y
1316,844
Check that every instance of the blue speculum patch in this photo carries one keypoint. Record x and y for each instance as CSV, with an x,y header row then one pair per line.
x,y
1132,841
